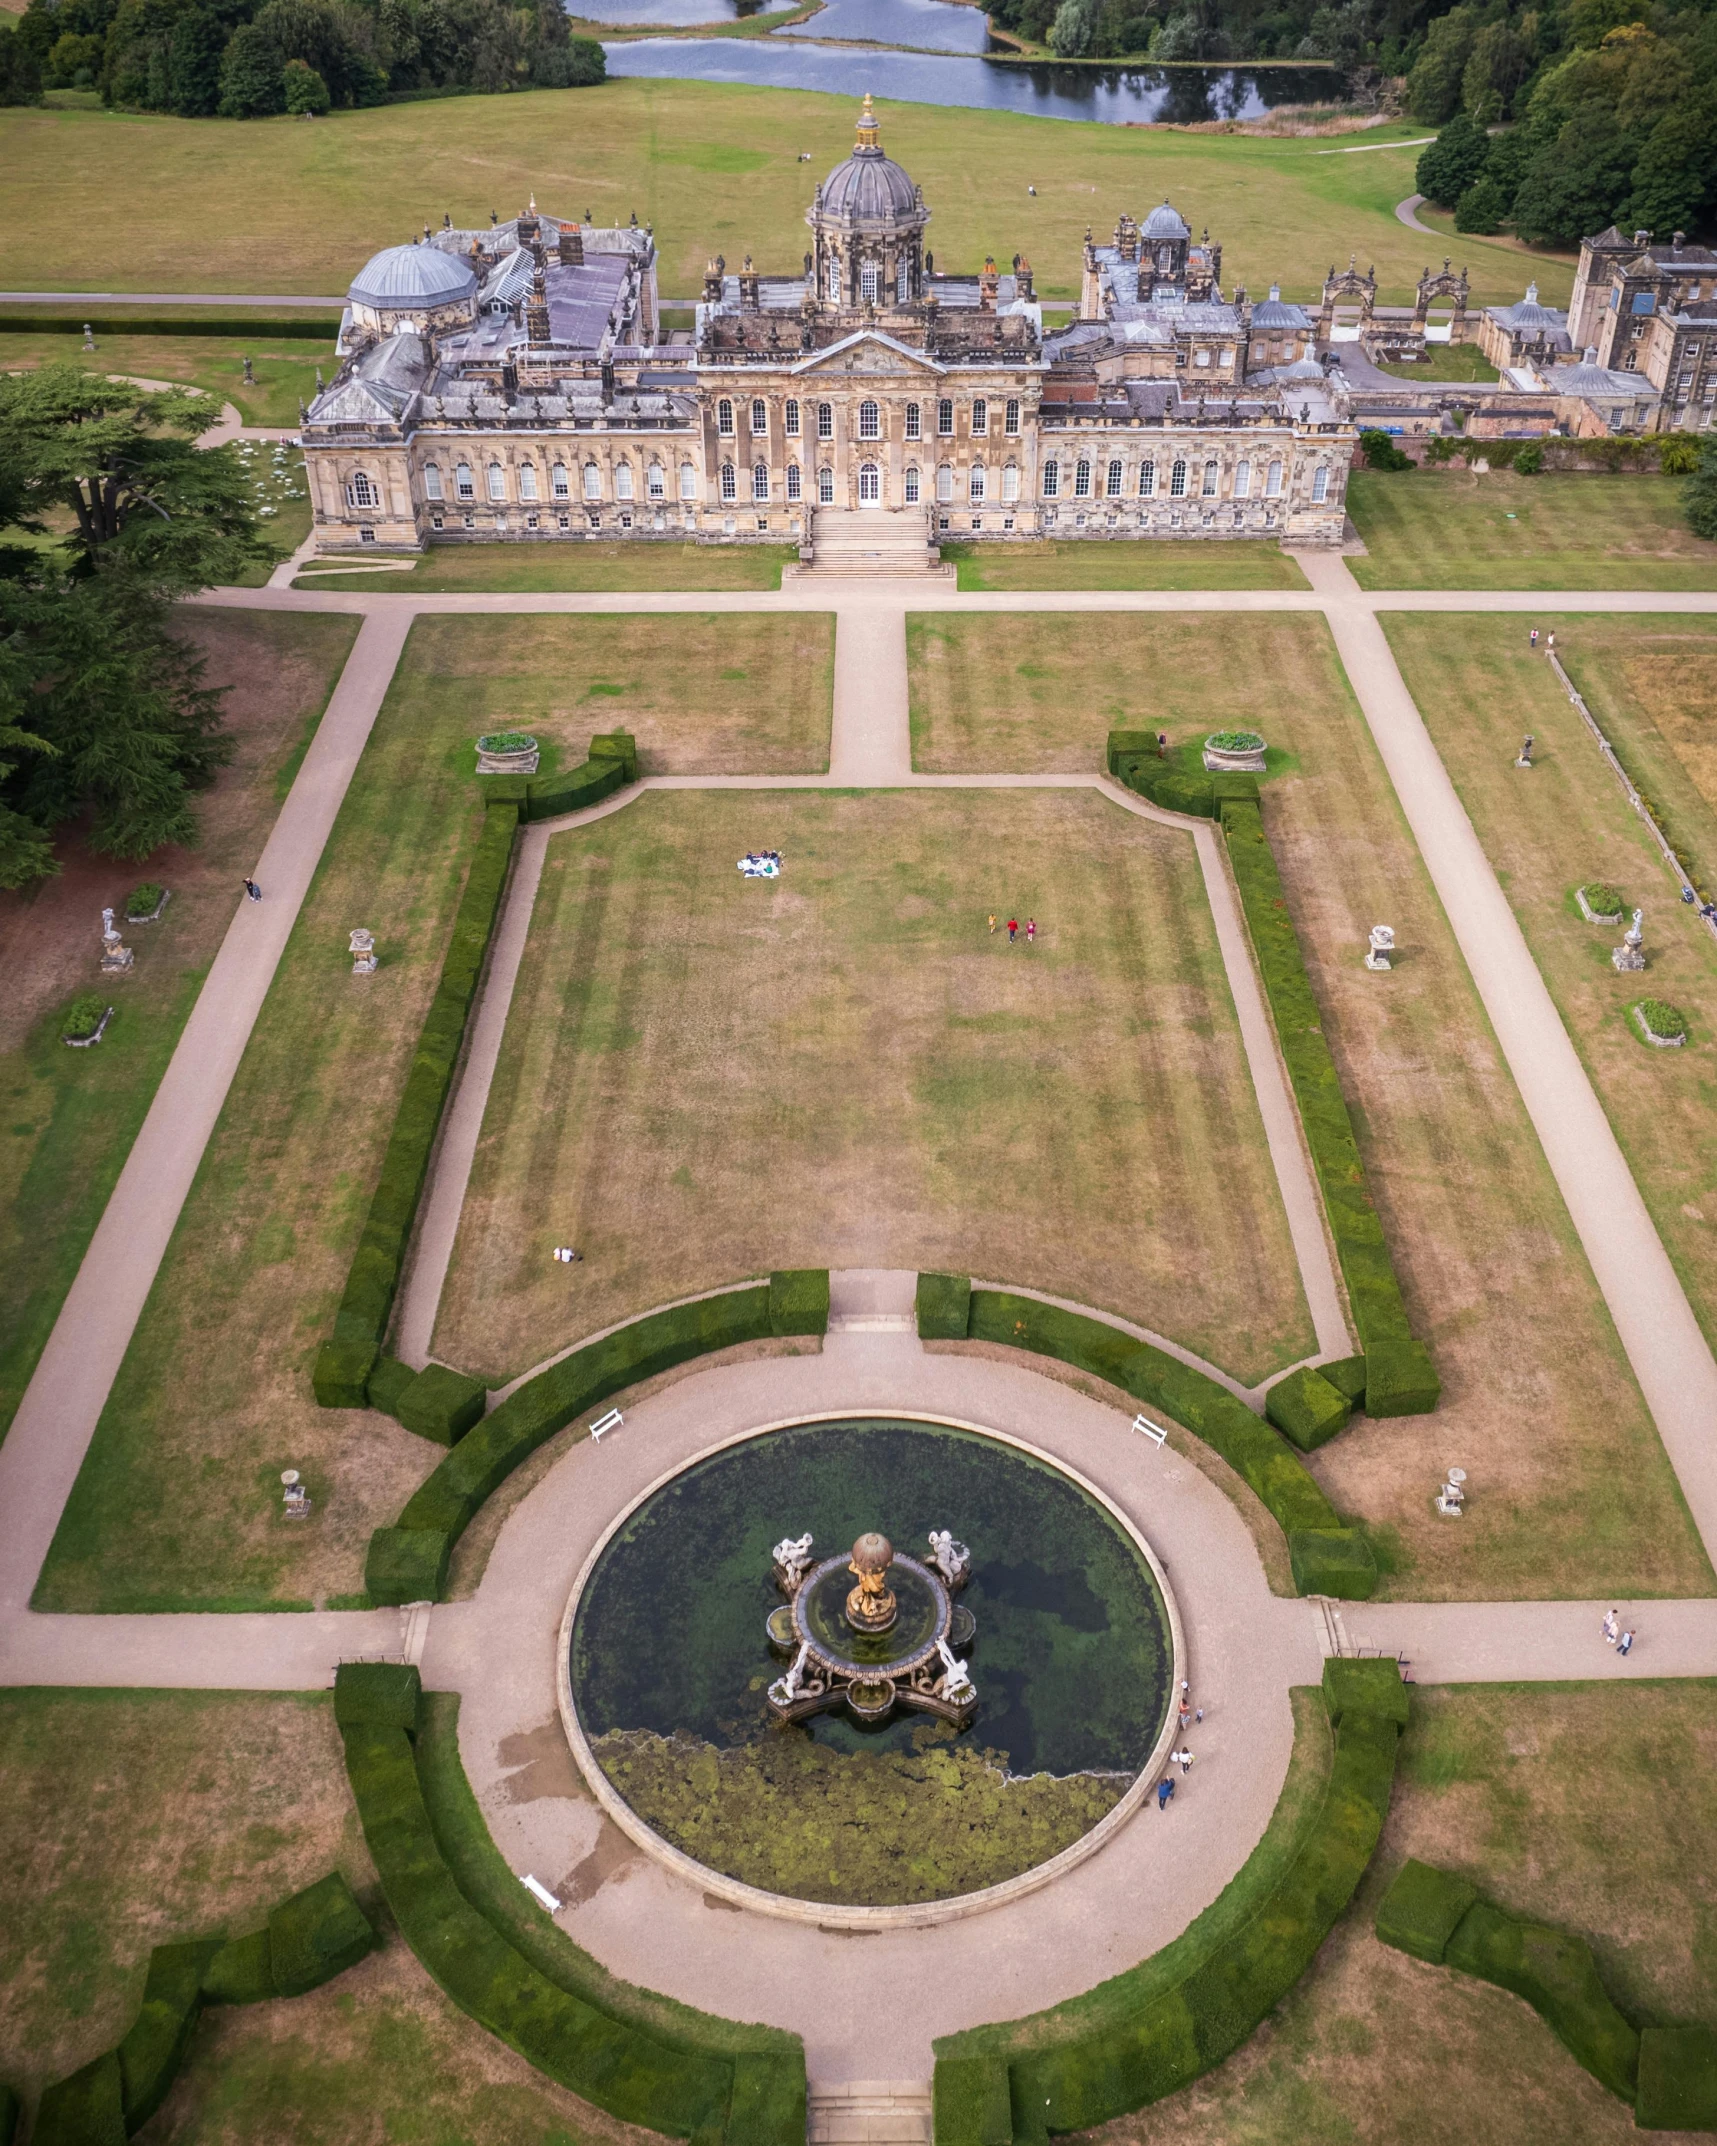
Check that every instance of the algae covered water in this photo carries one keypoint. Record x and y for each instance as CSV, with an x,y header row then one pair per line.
x,y
1072,1660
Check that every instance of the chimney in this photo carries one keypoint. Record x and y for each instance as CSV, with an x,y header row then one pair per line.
x,y
1022,280
747,286
713,278
571,246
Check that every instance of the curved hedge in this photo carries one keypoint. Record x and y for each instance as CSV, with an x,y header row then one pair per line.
x,y
1145,2034
1133,760
408,1562
1327,1557
749,2096
307,1940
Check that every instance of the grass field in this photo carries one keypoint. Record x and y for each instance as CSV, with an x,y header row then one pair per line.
x,y
1473,1218
273,205
1056,563
1591,1806
70,1116
285,368
704,694
1566,821
535,568
1439,529
1018,696
259,1257
704,1078
1447,361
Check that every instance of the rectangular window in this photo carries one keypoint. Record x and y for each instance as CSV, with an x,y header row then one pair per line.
x,y
978,487
825,420
945,417
528,481
870,421
623,481
795,482
724,419
1273,481
562,490
1010,483
912,487
656,481
462,481
1210,480
1011,416
1147,480
1051,480
432,482
497,481
793,420
980,417
914,429
592,481
729,482
1243,481
760,417
1644,302
760,481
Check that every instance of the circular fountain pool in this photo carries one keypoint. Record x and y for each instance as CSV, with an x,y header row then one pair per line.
x,y
690,1648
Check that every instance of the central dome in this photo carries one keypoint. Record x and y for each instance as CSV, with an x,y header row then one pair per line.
x,y
868,184
412,276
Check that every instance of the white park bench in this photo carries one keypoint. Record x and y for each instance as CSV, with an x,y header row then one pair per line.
x,y
604,1424
1153,1431
538,1890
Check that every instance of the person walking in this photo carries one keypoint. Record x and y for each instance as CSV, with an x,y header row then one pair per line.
x,y
1534,642
1013,930
992,923
1183,1759
1612,1626
1031,931
1550,644
1625,1645
1185,1714
1165,1792
253,890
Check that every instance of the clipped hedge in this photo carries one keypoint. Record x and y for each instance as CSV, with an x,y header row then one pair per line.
x,y
613,763
1422,1910
441,1404
347,1358
1062,2071
1133,761
636,2076
1317,1539
944,1306
1400,1379
306,1941
1307,1408
408,1562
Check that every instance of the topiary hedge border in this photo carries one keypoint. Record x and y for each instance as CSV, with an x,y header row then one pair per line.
x,y
408,1562
1327,1556
1061,2070
690,2081
1669,2074
307,1940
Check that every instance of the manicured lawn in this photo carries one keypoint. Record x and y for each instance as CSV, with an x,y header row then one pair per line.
x,y
1447,361
1589,1806
70,1116
713,166
1479,687
1125,563
1436,529
1028,695
215,1391
704,1077
704,694
534,568
285,367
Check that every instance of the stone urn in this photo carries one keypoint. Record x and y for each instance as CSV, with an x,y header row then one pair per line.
x,y
507,752
1234,752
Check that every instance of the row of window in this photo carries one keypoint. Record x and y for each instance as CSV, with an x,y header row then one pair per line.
x,y
1088,480
822,416
870,484
870,281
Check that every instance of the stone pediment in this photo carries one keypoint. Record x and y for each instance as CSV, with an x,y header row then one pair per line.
x,y
869,352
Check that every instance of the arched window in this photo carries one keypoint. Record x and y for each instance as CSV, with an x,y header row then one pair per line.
x,y
497,481
945,417
1320,487
912,486
825,488
795,482
361,492
432,482
1112,480
977,481
462,481
558,483
870,484
834,280
724,418
729,481
592,481
527,480
1243,481
793,420
870,421
945,484
688,481
914,421
1011,416
1210,480
1051,480
980,417
870,283
1082,479
759,415
1177,481
825,420
760,480
656,481
1273,481
1147,480
623,480
1010,484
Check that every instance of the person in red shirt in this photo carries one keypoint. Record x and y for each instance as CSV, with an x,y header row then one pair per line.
x,y
1013,929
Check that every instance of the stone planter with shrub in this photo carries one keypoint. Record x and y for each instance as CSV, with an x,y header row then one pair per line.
x,y
507,752
1234,752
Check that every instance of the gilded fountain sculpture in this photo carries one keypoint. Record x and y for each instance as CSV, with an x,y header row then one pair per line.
x,y
887,1640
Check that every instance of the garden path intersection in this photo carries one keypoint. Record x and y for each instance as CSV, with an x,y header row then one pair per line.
x,y
1246,1646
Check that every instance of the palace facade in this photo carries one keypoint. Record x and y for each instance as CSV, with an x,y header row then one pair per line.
x,y
514,383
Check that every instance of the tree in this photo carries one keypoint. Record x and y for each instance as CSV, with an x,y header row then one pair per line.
x,y
306,92
251,75
1381,452
1482,207
1450,164
20,71
1579,184
1501,61
1699,493
1675,180
1434,85
194,64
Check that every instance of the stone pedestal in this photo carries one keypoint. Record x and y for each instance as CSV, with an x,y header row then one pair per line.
x,y
362,947
1380,946
1630,956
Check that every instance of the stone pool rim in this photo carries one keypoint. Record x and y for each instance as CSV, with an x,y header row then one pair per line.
x,y
832,1915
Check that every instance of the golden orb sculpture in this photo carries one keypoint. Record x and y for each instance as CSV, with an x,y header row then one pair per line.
x,y
871,1606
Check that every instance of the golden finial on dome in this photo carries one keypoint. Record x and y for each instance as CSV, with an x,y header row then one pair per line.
x,y
533,208
868,136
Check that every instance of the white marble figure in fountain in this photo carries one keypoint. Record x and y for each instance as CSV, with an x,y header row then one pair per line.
x,y
785,1689
792,1556
957,1684
951,1559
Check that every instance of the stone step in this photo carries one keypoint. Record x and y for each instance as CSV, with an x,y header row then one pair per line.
x,y
870,2112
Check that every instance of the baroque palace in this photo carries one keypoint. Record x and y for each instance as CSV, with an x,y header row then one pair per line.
x,y
513,383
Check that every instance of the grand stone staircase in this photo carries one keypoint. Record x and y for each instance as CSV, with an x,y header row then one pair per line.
x,y
870,2112
893,541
